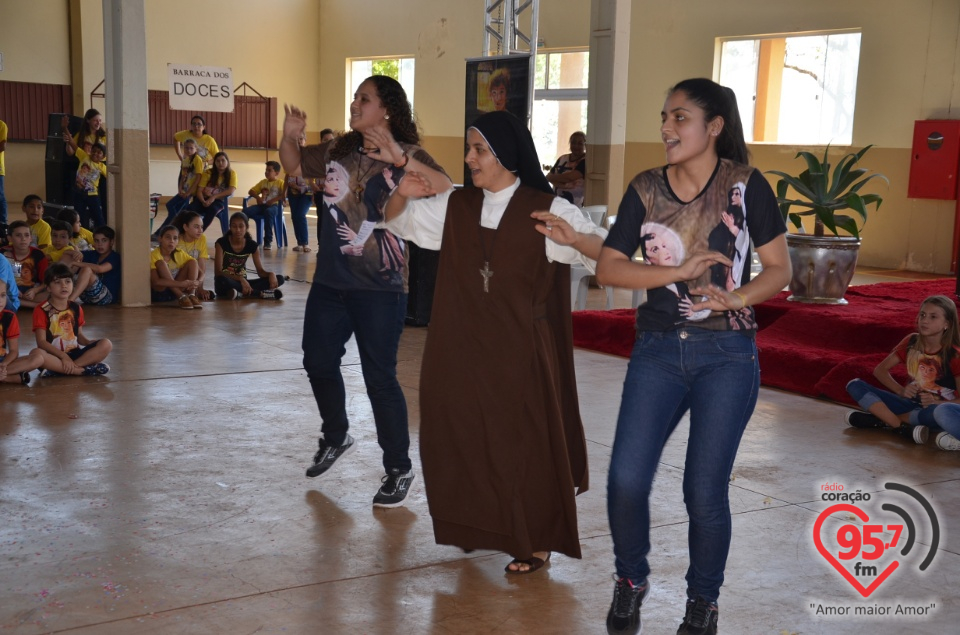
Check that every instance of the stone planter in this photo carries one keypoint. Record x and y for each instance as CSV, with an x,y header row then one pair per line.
x,y
822,267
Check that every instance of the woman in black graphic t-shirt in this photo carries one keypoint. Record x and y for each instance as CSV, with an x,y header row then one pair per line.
x,y
695,350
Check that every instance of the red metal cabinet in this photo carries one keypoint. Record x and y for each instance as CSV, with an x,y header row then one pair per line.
x,y
935,160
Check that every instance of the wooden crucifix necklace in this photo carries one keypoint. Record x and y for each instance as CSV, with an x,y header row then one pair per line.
x,y
487,272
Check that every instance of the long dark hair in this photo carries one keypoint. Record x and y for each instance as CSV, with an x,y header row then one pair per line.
x,y
719,101
403,127
86,130
217,178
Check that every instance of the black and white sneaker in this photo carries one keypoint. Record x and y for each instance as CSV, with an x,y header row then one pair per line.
x,y
271,294
624,613
860,419
327,455
229,294
948,442
701,618
394,490
917,433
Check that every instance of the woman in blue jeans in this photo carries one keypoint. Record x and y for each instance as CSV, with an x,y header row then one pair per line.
x,y
695,351
929,400
359,288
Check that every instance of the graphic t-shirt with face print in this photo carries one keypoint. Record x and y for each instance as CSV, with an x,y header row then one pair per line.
x,y
736,206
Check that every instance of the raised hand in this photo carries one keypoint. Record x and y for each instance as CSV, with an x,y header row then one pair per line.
x,y
387,148
415,185
294,122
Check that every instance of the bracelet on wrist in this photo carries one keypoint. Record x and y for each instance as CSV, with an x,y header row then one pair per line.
x,y
404,160
743,300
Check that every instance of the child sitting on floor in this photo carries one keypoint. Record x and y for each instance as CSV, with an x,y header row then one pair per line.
x,y
230,265
104,262
173,272
80,237
28,263
14,369
63,252
58,324
929,400
193,241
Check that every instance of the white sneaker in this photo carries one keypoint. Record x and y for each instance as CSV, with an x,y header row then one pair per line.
x,y
948,442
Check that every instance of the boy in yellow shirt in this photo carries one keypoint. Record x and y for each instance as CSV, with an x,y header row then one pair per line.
x,y
60,250
39,229
86,193
269,193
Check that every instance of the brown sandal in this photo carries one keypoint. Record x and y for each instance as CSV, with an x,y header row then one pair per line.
x,y
534,563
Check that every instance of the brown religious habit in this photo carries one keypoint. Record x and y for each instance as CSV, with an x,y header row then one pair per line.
x,y
501,438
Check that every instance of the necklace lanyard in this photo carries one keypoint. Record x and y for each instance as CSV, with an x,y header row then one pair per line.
x,y
358,191
487,272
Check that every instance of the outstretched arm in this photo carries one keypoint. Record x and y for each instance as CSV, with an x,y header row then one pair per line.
x,y
294,125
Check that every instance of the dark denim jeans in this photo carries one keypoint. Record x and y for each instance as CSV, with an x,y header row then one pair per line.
x,y
299,204
210,212
714,375
269,215
945,416
376,319
174,206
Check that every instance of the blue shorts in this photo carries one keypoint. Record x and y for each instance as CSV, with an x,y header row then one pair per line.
x,y
97,293
76,353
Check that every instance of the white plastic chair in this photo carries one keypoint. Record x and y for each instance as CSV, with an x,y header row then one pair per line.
x,y
579,275
596,213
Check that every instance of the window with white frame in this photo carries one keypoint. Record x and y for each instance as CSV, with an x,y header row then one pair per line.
x,y
399,68
559,101
794,89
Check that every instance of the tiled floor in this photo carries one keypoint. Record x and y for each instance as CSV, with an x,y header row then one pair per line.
x,y
169,497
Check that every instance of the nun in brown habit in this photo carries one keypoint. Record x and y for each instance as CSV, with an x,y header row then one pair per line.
x,y
501,440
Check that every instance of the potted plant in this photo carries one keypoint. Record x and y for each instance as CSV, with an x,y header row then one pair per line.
x,y
823,265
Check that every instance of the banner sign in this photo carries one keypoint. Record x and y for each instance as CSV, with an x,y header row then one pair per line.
x,y
207,88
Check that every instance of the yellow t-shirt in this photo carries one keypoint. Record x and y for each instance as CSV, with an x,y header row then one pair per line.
x,y
214,190
177,260
40,234
196,249
3,137
56,254
91,138
83,241
206,145
89,173
191,169
272,189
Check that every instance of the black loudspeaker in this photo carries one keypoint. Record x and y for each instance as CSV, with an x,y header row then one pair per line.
x,y
422,265
60,168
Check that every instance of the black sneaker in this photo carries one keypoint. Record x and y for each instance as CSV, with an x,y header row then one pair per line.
x,y
624,613
327,455
860,419
917,433
701,618
394,489
271,294
229,294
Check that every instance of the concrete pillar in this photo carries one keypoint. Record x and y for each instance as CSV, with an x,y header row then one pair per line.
x,y
128,164
607,117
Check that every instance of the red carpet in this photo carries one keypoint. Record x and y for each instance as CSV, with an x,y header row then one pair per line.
x,y
804,348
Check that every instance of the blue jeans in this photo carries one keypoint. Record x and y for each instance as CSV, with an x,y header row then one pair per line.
x,y
944,416
88,208
376,318
3,202
210,212
174,206
269,215
299,204
715,376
